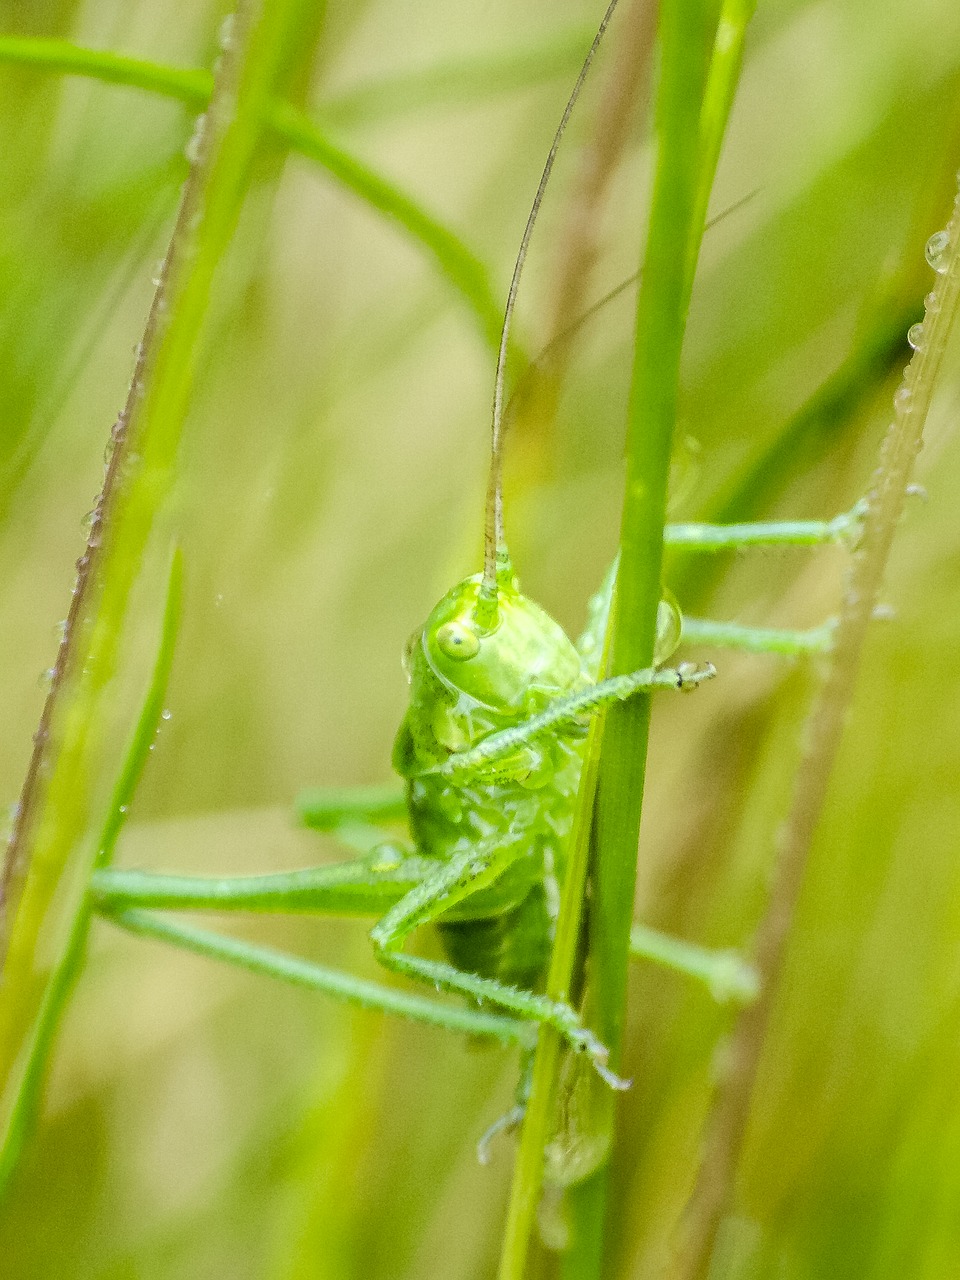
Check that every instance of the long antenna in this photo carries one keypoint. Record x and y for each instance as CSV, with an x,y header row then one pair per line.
x,y
496,558
565,334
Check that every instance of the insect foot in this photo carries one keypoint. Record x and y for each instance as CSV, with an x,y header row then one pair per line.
x,y
846,529
690,676
506,1124
584,1041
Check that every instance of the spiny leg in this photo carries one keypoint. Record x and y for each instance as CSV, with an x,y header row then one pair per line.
x,y
843,528
419,895
367,885
357,888
571,710
451,884
341,986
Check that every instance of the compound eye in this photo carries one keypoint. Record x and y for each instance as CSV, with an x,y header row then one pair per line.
x,y
458,641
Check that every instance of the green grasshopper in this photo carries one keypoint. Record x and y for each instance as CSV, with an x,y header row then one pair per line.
x,y
490,752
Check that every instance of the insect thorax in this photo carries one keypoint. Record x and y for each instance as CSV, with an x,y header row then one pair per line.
x,y
468,683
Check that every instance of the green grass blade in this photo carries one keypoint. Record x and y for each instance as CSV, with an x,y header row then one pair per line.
x,y
529,1167
458,263
189,85
459,82
138,752
661,315
689,137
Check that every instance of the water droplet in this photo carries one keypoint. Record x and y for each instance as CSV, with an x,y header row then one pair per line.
x,y
915,336
195,141
218,599
151,746
124,808
669,627
903,399
931,304
47,677
166,714
226,31
685,470
86,522
937,251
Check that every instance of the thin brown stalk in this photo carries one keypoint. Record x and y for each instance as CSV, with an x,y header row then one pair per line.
x,y
715,1185
616,116
577,245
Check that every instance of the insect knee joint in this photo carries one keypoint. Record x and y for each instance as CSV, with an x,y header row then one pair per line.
x,y
690,675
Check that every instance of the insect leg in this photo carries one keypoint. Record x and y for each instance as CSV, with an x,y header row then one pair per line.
x,y
514,1117
733,635
330,808
363,886
787,533
348,812
570,710
727,975
342,986
449,885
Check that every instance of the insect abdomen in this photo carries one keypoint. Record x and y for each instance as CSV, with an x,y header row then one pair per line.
x,y
513,947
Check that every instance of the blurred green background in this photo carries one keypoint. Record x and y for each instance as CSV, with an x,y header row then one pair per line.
x,y
203,1123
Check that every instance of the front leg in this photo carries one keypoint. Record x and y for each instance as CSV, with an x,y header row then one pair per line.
x,y
451,884
571,710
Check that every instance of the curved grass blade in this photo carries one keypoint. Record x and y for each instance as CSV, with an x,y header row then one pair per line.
x,y
459,82
193,87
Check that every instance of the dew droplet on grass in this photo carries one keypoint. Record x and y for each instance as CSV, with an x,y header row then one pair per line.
x,y
937,250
